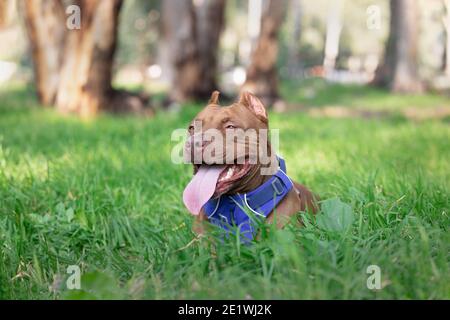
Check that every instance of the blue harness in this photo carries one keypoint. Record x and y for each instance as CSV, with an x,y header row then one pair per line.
x,y
243,210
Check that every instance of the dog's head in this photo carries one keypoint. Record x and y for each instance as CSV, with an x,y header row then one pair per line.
x,y
228,146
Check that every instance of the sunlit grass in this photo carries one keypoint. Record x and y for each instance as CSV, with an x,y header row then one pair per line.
x,y
318,93
104,195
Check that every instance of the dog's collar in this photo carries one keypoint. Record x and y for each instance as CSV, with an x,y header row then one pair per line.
x,y
240,210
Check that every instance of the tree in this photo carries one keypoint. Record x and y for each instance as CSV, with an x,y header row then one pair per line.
x,y
446,22
333,33
73,67
399,70
209,25
44,21
6,7
191,33
294,62
262,77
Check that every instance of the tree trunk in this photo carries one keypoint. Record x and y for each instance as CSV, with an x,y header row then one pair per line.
x,y
73,68
191,33
179,32
262,77
44,20
399,70
210,20
294,59
334,28
446,22
6,7
85,84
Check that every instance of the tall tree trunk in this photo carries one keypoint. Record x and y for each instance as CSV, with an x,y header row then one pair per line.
x,y
73,68
334,27
446,22
192,33
179,32
210,20
399,70
294,59
6,8
262,76
85,84
44,20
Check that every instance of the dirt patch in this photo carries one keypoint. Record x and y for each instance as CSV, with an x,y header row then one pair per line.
x,y
343,112
427,113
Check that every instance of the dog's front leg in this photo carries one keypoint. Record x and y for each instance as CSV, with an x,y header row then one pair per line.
x,y
199,224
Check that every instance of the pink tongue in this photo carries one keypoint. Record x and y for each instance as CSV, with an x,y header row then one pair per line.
x,y
201,188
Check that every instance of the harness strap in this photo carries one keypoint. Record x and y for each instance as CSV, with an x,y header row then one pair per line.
x,y
270,190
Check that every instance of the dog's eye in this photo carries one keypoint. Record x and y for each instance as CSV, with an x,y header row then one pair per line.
x,y
191,128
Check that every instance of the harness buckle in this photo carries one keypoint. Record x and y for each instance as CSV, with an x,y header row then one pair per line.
x,y
277,186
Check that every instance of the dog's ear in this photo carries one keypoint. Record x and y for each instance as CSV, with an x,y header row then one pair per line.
x,y
254,104
214,99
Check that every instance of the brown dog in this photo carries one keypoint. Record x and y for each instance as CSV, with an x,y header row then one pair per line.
x,y
213,179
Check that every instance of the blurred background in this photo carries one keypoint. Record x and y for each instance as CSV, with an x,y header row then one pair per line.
x,y
138,56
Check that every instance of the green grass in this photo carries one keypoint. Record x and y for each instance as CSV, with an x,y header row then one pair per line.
x,y
317,93
104,195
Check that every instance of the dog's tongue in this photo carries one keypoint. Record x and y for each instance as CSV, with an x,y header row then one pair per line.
x,y
201,188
